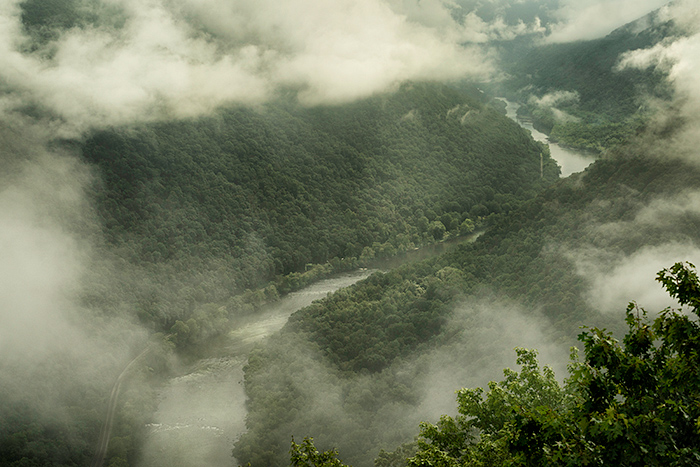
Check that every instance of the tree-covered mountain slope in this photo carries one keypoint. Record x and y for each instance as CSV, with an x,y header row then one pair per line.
x,y
629,402
560,260
161,180
620,404
195,212
227,203
578,92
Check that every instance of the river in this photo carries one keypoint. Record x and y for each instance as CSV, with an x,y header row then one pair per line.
x,y
570,160
202,412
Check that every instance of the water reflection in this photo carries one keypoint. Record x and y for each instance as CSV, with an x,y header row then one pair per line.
x,y
570,160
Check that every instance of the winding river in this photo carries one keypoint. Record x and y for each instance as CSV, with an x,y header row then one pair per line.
x,y
570,160
202,412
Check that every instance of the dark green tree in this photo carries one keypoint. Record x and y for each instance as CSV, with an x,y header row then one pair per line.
x,y
480,434
306,455
629,403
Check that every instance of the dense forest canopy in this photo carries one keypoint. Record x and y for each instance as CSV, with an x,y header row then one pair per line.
x,y
534,256
253,194
200,211
626,403
567,257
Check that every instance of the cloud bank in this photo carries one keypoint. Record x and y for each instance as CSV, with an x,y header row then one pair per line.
x,y
484,334
40,260
679,59
663,231
181,58
124,61
591,19
623,279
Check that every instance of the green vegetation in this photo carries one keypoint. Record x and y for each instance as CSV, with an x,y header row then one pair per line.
x,y
42,427
306,455
587,131
635,403
204,221
364,338
220,205
630,403
575,93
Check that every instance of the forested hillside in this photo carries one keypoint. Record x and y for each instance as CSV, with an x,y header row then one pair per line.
x,y
228,203
171,167
548,257
573,256
578,93
195,213
620,404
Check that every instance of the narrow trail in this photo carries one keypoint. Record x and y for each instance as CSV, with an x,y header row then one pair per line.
x,y
106,432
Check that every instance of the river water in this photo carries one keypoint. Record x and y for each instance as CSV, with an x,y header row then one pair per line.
x,y
202,412
570,160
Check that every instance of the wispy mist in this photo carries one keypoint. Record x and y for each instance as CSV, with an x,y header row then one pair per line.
x,y
619,260
679,58
364,412
42,208
128,62
58,357
617,280
483,335
591,19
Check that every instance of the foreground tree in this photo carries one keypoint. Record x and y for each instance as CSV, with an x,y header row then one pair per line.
x,y
635,403
306,455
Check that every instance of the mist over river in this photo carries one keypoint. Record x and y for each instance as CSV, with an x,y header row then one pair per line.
x,y
570,160
202,412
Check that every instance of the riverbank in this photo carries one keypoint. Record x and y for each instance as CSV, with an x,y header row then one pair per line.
x,y
570,160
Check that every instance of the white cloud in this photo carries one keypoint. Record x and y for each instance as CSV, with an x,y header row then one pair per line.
x,y
680,59
39,269
631,278
554,98
591,19
617,278
484,334
684,13
475,30
183,58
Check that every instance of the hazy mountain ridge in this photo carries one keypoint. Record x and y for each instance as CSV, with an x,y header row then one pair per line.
x,y
578,92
